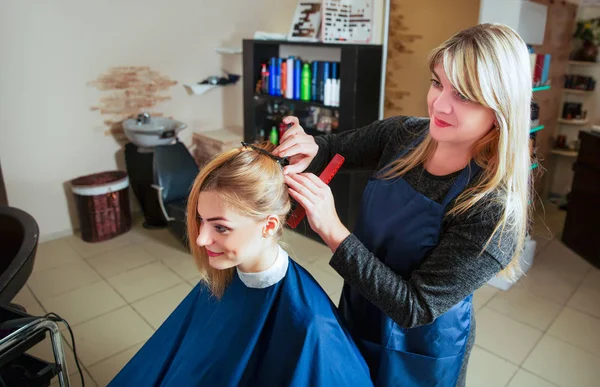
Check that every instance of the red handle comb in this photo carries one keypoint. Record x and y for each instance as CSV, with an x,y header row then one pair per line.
x,y
328,173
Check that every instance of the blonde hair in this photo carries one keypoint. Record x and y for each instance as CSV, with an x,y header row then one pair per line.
x,y
489,64
247,181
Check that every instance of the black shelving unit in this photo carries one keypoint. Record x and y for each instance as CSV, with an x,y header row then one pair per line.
x,y
360,85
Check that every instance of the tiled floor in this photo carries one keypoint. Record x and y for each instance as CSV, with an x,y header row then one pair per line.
x,y
545,331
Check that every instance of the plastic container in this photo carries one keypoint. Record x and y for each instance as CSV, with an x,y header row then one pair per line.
x,y
102,205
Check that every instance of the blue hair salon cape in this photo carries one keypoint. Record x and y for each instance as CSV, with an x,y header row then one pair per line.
x,y
288,334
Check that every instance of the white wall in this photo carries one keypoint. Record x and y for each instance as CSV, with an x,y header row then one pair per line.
x,y
50,51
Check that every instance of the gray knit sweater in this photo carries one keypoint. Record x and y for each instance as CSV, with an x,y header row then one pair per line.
x,y
452,270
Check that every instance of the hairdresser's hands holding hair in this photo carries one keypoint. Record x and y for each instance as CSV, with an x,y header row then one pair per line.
x,y
316,198
299,147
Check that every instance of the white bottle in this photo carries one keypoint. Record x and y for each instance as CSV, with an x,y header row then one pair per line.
x,y
336,92
289,89
328,92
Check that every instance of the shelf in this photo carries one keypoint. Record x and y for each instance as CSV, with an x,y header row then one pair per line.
x,y
540,88
293,101
564,152
572,122
575,91
536,129
308,43
581,63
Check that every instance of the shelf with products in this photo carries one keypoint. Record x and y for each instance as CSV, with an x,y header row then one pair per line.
x,y
359,75
573,121
356,67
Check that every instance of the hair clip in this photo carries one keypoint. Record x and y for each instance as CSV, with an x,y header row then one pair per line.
x,y
283,161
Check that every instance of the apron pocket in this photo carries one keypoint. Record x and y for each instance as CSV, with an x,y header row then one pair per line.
x,y
391,367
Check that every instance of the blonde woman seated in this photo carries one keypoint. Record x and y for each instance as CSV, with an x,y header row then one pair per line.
x,y
256,318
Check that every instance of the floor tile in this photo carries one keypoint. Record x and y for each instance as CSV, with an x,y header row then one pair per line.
x,y
563,364
587,298
565,262
110,334
24,297
156,308
331,284
120,260
106,370
507,338
85,303
53,254
546,282
88,250
164,247
35,309
527,379
194,281
486,369
483,295
578,329
183,264
520,305
144,281
52,282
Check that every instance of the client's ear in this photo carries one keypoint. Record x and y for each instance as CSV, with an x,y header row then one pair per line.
x,y
271,226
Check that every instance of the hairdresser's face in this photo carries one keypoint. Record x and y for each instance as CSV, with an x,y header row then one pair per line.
x,y
230,239
454,119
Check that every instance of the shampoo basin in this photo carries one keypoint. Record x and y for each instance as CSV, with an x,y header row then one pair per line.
x,y
149,132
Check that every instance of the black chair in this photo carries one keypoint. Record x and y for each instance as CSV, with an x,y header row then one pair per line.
x,y
19,234
174,172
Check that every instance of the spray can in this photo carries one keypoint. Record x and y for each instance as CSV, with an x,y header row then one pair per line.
x,y
274,136
314,81
297,78
305,92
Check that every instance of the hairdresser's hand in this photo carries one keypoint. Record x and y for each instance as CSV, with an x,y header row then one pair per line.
x,y
316,198
296,145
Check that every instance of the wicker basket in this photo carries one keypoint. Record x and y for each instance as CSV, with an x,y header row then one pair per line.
x,y
102,205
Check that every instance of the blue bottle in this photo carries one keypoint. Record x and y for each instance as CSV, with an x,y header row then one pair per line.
x,y
297,78
314,84
278,77
272,75
324,78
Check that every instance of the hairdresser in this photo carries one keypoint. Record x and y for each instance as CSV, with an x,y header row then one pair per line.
x,y
445,212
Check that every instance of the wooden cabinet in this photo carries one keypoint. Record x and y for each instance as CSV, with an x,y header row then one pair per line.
x,y
582,225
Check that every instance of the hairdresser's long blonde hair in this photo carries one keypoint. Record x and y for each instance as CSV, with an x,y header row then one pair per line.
x,y
489,64
250,183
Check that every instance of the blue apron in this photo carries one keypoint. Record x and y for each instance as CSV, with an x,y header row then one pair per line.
x,y
400,226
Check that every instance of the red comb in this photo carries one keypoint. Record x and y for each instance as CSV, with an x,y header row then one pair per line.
x,y
328,173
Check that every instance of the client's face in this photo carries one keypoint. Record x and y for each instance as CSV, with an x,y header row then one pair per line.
x,y
230,239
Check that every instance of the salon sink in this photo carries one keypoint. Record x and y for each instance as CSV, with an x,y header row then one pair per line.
x,y
149,132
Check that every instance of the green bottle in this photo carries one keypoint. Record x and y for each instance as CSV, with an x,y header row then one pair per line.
x,y
274,136
305,88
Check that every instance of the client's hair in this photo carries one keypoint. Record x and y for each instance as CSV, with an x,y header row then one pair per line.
x,y
249,182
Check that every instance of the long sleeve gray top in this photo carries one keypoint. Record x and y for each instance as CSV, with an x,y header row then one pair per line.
x,y
452,270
